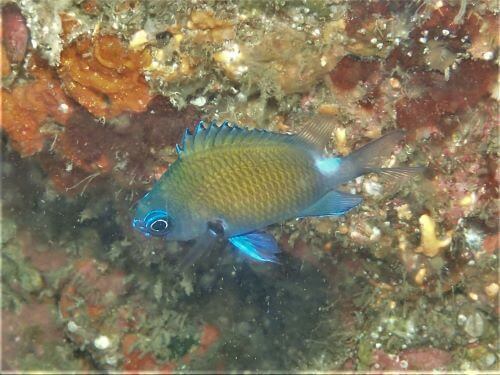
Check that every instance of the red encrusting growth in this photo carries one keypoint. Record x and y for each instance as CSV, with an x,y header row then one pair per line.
x,y
27,107
418,359
467,85
350,71
135,143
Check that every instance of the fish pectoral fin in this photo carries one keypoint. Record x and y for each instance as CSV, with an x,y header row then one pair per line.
x,y
201,246
333,203
257,246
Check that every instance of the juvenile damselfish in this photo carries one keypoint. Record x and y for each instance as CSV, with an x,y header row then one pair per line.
x,y
230,182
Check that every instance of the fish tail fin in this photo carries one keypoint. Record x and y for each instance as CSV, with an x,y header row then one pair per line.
x,y
368,159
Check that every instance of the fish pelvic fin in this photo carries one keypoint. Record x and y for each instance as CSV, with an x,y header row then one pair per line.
x,y
200,248
256,246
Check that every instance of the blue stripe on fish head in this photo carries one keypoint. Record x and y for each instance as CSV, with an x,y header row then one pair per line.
x,y
152,217
158,216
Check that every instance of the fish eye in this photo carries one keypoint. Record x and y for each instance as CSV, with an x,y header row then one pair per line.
x,y
157,222
159,225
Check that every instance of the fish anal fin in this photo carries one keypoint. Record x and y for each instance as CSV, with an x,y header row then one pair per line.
x,y
333,203
256,246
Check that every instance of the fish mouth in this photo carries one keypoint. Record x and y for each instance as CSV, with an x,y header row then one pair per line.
x,y
139,225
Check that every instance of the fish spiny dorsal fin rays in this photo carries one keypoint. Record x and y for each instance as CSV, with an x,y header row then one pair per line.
x,y
222,130
317,130
211,136
199,135
187,140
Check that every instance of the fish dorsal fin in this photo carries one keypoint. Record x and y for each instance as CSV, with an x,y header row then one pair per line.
x,y
317,130
208,136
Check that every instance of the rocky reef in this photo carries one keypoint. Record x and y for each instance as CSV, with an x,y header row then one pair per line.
x,y
95,96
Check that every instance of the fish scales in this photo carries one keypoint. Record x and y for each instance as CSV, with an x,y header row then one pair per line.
x,y
246,185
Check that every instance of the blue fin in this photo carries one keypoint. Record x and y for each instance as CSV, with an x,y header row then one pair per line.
x,y
333,203
258,246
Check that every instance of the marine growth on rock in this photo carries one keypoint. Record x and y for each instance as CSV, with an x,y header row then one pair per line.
x,y
95,96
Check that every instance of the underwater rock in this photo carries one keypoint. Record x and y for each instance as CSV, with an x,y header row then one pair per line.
x,y
458,25
86,143
267,63
5,68
135,148
33,341
136,360
425,359
44,258
210,28
422,359
474,325
491,243
350,71
209,336
484,43
491,290
483,358
15,33
89,304
467,85
106,289
374,28
110,131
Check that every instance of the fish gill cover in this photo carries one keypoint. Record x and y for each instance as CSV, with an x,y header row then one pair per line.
x,y
95,97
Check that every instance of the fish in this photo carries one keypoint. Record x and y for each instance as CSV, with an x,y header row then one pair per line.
x,y
230,182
